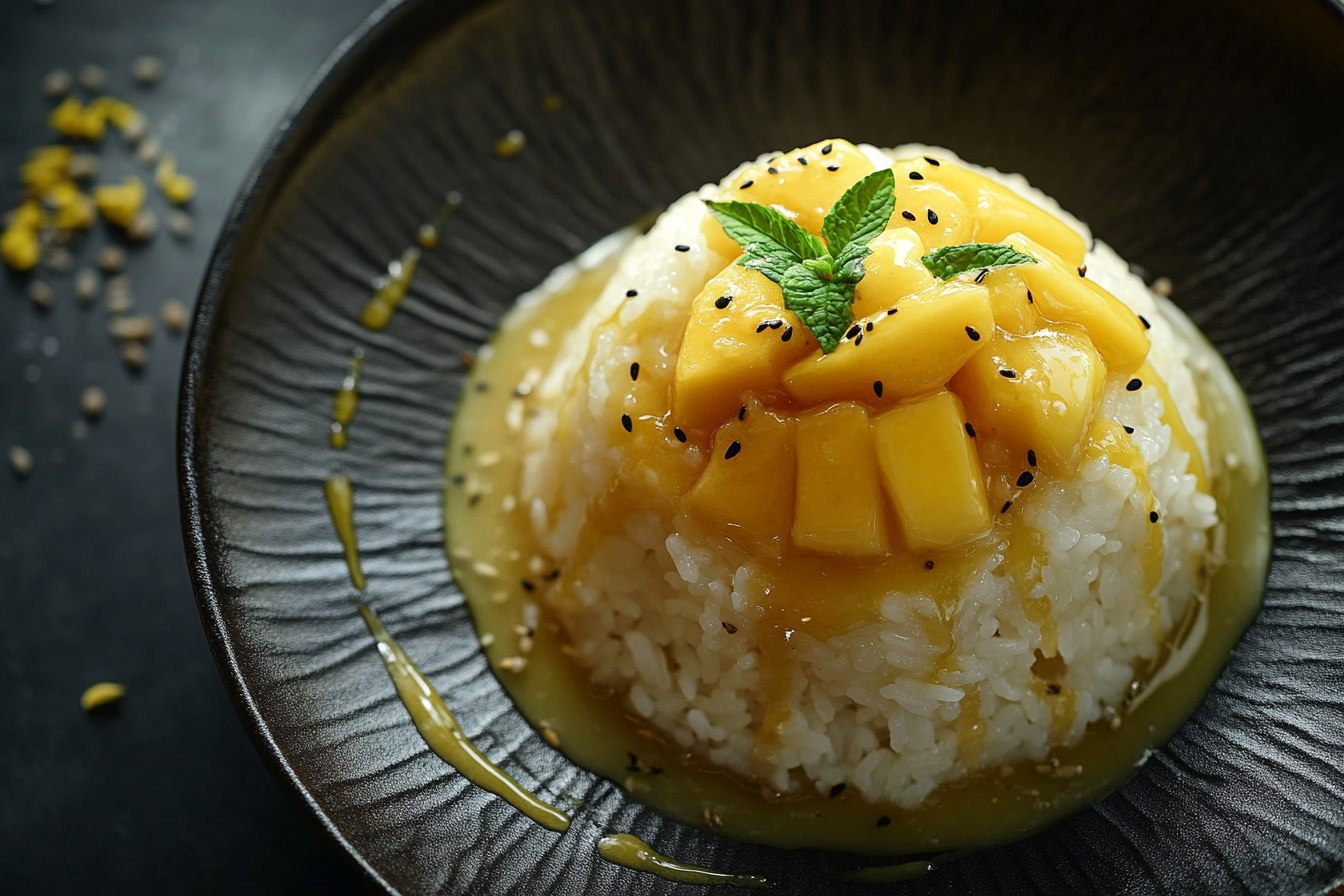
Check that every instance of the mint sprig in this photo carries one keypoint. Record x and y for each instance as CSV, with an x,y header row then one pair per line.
x,y
950,261
817,278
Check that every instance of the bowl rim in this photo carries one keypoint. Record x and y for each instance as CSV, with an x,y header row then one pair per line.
x,y
323,92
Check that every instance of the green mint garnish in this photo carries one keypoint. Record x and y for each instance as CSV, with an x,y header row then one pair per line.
x,y
817,278
950,261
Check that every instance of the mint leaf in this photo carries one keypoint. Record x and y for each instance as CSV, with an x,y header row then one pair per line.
x,y
949,261
824,306
859,215
771,241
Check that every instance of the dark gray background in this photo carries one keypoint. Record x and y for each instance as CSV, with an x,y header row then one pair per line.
x,y
166,794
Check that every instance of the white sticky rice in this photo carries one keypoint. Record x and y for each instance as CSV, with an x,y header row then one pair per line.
x,y
876,708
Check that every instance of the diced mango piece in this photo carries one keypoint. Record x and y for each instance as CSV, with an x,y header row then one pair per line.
x,y
937,214
1037,392
892,272
722,355
803,184
838,506
46,167
20,248
997,210
932,473
748,491
71,209
1008,297
912,352
178,188
72,119
1061,294
119,203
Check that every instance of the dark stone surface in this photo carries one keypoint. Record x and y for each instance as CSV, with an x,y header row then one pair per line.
x,y
165,794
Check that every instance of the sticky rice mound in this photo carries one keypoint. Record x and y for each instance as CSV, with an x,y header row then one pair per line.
x,y
891,672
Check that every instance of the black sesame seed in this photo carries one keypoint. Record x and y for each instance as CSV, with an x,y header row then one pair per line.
x,y
1152,516
973,333
835,167
677,431
1025,479
788,334
1006,505
1031,457
682,247
481,387
634,762
908,215
474,500
1030,300
776,323
868,327
858,340
853,331
1134,385
746,184
553,575
1143,320
970,430
742,412
980,277
915,175
1005,372
528,586
802,160
1082,270
459,479
928,564
826,150
1052,689
466,449
1130,430
837,790
763,326
730,628
733,451
655,770
934,162
877,388
772,170
891,311
634,371
627,423
631,293
883,821
933,216
722,302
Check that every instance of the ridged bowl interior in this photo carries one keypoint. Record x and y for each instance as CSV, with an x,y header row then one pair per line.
x,y
1200,139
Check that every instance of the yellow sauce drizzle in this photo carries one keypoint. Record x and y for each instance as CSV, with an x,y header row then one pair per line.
x,y
341,503
445,737
346,401
391,290
428,234
888,874
632,852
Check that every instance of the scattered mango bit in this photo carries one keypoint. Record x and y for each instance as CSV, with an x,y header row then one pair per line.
x,y
71,209
177,187
510,144
101,694
120,203
46,167
75,120
19,245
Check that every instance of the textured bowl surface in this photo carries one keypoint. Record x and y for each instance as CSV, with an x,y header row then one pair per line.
x,y
1200,139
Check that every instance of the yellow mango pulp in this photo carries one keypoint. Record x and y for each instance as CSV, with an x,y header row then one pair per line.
x,y
1060,293
803,185
1037,392
71,209
748,492
937,214
1013,312
119,203
931,471
838,503
892,272
722,355
45,168
996,210
914,351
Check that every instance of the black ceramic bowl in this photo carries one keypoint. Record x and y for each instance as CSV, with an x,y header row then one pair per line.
x,y
1201,139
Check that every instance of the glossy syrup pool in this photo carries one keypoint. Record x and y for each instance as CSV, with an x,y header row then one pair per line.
x,y
490,544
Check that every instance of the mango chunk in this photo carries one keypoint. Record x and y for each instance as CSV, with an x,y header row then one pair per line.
x,y
937,214
914,351
1008,297
722,353
748,491
892,272
838,504
120,203
932,473
1060,294
1037,392
997,211
805,183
